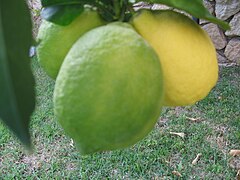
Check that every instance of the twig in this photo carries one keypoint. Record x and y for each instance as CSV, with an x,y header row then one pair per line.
x,y
194,162
194,119
176,173
238,175
71,143
234,152
178,134
227,64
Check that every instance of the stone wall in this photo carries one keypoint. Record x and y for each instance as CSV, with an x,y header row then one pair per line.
x,y
227,43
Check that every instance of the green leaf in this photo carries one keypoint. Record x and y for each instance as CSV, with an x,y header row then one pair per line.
x,y
17,96
193,7
62,14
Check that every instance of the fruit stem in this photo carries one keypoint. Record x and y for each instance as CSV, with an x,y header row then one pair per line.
x,y
124,4
117,8
105,11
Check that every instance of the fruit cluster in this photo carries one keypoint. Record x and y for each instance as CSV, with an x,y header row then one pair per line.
x,y
112,79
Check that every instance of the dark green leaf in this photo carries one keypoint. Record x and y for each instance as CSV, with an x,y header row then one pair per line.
x,y
17,96
62,14
193,7
46,3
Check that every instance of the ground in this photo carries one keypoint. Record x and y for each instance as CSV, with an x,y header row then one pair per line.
x,y
211,128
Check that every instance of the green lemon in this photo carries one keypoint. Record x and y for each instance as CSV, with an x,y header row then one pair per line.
x,y
54,41
186,52
108,94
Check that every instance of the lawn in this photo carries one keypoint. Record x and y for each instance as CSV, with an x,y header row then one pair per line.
x,y
211,128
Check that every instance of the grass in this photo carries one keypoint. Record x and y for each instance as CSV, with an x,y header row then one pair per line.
x,y
155,157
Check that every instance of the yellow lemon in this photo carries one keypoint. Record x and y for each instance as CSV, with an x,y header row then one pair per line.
x,y
186,52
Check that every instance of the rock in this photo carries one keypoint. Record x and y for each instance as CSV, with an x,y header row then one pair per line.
x,y
226,8
203,21
210,8
142,5
232,51
235,26
216,35
221,58
159,6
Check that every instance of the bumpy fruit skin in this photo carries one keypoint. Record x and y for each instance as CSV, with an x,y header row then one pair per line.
x,y
109,90
54,41
186,52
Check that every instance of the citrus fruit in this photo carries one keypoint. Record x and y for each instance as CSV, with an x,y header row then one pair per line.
x,y
187,55
54,41
109,90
